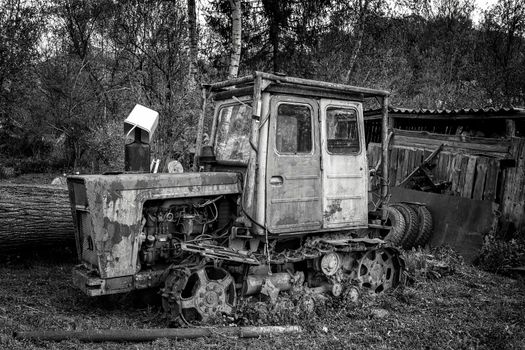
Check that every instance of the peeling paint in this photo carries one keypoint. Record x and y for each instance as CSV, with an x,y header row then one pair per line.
x,y
287,220
115,207
333,208
116,230
114,192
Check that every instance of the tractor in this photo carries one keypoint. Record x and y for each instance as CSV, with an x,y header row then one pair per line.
x,y
279,197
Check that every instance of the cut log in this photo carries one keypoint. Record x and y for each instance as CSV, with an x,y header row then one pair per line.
x,y
34,216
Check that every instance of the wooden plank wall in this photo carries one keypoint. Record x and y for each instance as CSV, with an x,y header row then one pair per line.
x,y
513,187
496,147
471,176
373,130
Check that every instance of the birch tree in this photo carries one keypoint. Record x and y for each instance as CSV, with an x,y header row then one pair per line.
x,y
362,14
236,36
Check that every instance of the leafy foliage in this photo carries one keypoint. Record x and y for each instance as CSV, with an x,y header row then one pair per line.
x,y
71,68
497,255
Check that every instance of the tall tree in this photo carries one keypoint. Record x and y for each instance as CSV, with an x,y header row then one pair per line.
x,y
362,14
236,37
503,41
21,25
278,13
74,77
152,41
193,39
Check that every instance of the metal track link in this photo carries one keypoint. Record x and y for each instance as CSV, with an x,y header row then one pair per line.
x,y
317,246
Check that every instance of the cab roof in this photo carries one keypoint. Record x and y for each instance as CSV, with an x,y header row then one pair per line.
x,y
261,81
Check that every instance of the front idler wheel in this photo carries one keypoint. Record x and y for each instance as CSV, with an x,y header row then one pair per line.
x,y
208,291
378,270
192,296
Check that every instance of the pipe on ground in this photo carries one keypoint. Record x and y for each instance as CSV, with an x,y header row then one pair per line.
x,y
145,335
254,283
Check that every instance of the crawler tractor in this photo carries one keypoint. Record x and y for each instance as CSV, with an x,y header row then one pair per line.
x,y
280,199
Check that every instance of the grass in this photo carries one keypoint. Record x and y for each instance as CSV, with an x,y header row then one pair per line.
x,y
468,309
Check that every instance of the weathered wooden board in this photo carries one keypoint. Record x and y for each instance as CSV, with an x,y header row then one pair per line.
x,y
491,181
481,175
412,161
470,176
459,222
470,171
513,198
399,166
453,143
392,167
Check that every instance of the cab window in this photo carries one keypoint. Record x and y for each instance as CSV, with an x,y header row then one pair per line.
x,y
342,131
233,133
294,129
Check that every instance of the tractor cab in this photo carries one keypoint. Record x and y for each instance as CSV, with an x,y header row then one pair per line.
x,y
301,149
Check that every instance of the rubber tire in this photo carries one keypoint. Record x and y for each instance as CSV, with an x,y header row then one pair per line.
x,y
412,224
425,225
397,221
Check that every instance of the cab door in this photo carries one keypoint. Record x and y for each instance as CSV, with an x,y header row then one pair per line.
x,y
293,175
345,175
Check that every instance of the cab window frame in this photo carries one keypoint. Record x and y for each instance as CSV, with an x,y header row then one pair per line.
x,y
215,139
312,129
357,128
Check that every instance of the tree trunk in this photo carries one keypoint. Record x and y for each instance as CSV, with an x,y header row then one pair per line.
x,y
34,216
192,30
363,13
236,38
274,41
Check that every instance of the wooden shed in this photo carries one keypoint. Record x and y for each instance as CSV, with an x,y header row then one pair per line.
x,y
483,154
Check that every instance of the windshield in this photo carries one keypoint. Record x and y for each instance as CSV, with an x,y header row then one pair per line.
x,y
341,131
233,133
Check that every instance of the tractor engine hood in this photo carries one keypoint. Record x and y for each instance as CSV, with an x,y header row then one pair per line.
x,y
158,183
107,211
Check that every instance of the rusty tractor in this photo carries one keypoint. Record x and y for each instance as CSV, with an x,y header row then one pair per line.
x,y
280,199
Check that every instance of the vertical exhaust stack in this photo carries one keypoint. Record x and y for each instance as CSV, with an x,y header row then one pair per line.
x,y
141,124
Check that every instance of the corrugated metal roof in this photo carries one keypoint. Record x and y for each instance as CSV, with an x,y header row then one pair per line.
x,y
463,113
472,111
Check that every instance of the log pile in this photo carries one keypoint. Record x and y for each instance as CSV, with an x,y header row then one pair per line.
x,y
34,216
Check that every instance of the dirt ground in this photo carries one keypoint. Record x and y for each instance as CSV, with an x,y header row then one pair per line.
x,y
469,309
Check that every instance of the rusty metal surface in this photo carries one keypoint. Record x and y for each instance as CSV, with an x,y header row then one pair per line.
x,y
158,181
293,180
345,180
114,204
458,222
298,83
221,253
463,113
93,285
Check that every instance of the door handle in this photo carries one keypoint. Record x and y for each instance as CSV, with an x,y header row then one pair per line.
x,y
276,180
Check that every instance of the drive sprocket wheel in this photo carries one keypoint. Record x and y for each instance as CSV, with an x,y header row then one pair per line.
x,y
199,295
378,270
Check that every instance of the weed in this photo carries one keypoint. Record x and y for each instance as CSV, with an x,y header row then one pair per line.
x,y
497,255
